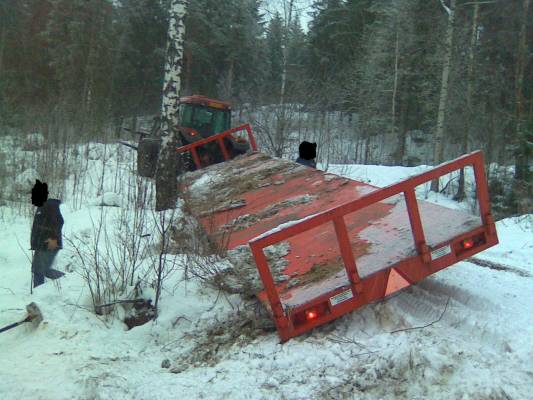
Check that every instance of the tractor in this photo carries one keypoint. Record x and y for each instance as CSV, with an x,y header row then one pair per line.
x,y
199,118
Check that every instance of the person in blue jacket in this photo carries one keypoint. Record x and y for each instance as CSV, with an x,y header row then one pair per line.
x,y
307,154
45,234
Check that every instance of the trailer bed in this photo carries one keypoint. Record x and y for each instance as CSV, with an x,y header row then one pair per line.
x,y
244,198
344,243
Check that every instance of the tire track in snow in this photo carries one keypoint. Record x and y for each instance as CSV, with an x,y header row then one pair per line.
x,y
498,267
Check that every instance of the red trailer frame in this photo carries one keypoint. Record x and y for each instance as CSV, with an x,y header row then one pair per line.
x,y
361,291
291,322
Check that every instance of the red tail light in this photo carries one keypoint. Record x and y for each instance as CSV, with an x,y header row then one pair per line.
x,y
467,244
311,314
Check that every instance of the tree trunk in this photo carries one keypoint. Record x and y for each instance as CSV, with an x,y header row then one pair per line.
x,y
284,53
173,65
438,145
167,165
522,149
469,84
400,145
229,81
3,36
85,117
281,122
188,72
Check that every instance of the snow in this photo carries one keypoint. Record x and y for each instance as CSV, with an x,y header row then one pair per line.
x,y
107,199
283,226
209,178
25,181
480,348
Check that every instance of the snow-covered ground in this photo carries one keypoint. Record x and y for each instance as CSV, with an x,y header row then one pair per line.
x,y
464,333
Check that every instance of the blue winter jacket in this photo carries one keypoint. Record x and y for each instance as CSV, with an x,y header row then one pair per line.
x,y
47,224
307,163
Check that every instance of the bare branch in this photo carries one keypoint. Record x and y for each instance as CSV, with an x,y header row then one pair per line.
x,y
425,326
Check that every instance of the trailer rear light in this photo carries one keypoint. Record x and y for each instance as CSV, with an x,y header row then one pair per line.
x,y
467,244
311,314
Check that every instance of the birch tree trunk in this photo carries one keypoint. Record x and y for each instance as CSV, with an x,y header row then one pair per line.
x,y
469,84
438,145
167,164
173,65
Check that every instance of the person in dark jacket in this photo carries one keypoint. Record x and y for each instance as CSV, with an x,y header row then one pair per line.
x,y
307,154
45,234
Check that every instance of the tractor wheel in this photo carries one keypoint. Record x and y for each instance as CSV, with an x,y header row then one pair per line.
x,y
147,154
185,163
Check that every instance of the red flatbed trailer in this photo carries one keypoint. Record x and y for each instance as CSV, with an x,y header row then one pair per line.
x,y
349,243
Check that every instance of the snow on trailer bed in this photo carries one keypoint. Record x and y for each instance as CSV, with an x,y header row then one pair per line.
x,y
251,196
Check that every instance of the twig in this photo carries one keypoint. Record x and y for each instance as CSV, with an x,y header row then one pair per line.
x,y
425,326
164,347
174,323
447,184
216,301
78,306
8,290
122,301
30,261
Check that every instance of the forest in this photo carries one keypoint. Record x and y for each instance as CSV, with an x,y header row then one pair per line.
x,y
365,79
158,245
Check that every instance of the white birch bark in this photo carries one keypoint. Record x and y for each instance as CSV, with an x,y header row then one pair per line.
x,y
173,65
167,164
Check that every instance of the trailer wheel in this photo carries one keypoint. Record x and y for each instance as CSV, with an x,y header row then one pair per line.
x,y
147,154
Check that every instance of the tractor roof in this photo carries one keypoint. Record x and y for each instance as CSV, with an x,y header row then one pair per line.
x,y
205,101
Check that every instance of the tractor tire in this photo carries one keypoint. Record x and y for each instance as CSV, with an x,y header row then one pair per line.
x,y
147,154
185,163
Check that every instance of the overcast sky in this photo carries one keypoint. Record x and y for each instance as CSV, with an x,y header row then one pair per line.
x,y
302,7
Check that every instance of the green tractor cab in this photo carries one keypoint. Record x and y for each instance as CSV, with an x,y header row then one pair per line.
x,y
199,117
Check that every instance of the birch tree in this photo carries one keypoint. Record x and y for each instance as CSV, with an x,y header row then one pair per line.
x,y
167,166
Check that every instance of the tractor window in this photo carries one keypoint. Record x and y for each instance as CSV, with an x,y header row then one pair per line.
x,y
200,117
186,111
220,123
